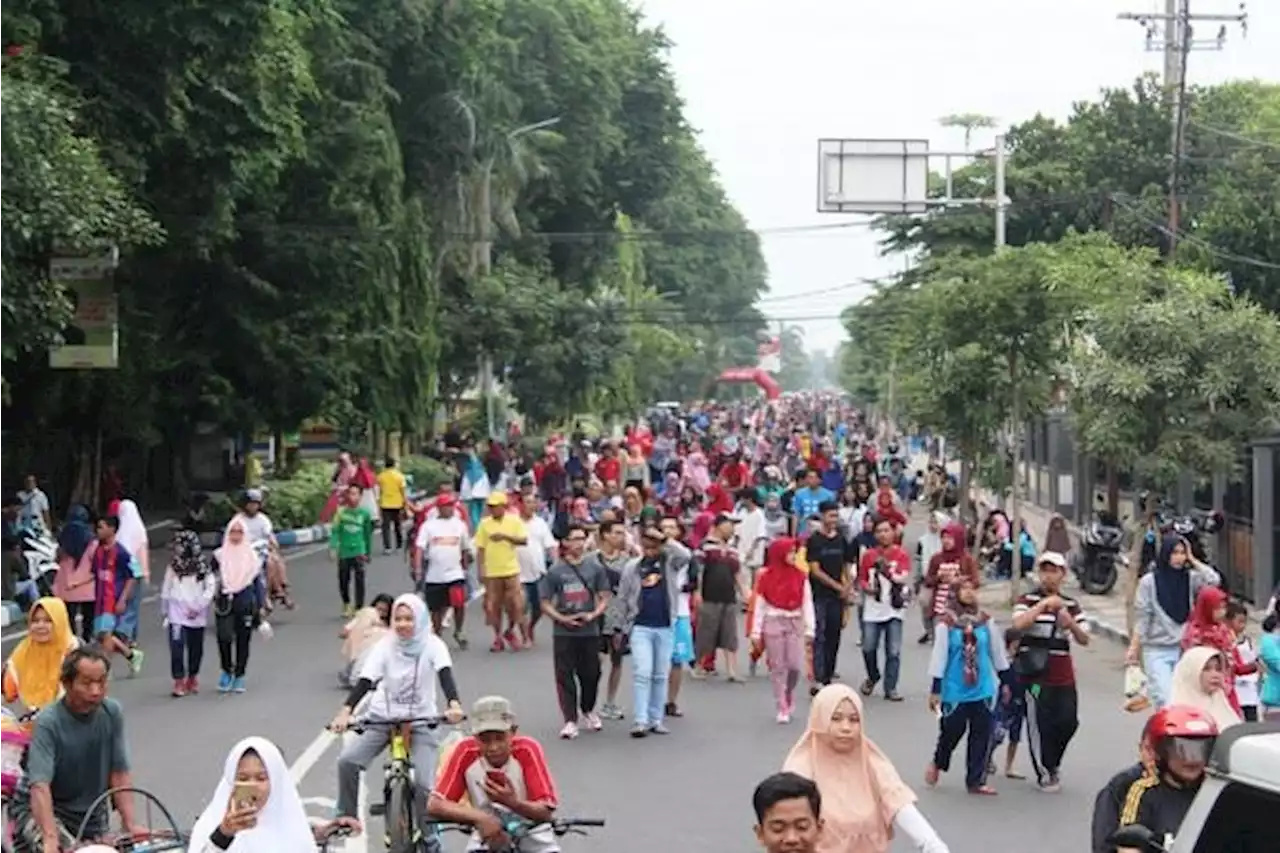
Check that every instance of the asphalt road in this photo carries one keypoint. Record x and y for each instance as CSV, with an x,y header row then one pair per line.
x,y
691,788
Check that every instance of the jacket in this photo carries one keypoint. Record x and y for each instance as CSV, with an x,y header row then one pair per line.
x,y
1136,796
675,559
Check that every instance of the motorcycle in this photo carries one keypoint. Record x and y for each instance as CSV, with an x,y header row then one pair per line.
x,y
1097,566
40,556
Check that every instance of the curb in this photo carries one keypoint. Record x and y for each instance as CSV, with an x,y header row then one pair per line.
x,y
12,613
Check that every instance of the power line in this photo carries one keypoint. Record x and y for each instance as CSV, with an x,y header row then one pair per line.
x,y
1232,135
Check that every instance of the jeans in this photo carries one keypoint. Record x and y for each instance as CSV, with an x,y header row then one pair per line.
x,y
974,717
891,631
186,651
828,613
1159,661
359,750
651,650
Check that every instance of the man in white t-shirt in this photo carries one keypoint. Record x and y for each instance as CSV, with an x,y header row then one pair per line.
x,y
35,512
539,551
259,530
442,552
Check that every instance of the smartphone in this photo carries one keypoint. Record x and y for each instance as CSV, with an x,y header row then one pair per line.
x,y
496,777
245,795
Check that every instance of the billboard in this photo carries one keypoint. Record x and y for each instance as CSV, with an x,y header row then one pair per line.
x,y
92,339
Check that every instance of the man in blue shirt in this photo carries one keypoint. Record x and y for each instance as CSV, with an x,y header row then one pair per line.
x,y
809,497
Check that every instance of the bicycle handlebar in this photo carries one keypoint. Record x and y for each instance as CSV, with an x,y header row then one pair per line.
x,y
359,726
558,826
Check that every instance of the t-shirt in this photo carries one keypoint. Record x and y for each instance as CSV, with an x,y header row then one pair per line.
x,y
806,501
532,555
351,534
718,565
463,776
500,560
443,540
257,527
572,590
879,608
1046,632
406,684
35,503
391,489
75,755
654,607
831,554
112,569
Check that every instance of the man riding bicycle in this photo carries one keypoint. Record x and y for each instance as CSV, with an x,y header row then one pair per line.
x,y
504,775
77,754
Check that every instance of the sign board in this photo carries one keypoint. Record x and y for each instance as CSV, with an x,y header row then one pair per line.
x,y
769,354
92,340
873,176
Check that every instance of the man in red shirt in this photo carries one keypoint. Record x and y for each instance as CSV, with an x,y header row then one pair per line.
x,y
735,474
609,466
884,574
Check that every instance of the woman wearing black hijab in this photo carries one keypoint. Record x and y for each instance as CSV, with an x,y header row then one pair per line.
x,y
1161,609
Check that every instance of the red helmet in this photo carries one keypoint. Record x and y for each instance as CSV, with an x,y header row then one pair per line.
x,y
1179,721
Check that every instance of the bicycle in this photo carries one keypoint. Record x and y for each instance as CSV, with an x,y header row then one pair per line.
x,y
518,829
154,841
404,834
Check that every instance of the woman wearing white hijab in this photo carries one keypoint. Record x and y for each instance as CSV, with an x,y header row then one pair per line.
x,y
1199,680
133,536
256,807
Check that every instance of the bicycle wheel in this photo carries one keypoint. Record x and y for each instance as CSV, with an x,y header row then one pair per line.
x,y
399,816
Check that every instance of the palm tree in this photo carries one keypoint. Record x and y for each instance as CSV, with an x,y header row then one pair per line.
x,y
970,122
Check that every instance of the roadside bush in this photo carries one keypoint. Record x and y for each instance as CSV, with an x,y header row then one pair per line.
x,y
426,473
298,501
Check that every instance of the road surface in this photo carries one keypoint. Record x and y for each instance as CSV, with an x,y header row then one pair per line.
x,y
692,788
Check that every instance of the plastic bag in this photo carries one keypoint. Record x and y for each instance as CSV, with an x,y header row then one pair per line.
x,y
1135,690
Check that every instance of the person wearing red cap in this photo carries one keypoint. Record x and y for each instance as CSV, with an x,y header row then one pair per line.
x,y
441,555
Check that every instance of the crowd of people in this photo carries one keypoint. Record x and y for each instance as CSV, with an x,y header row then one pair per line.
x,y
773,527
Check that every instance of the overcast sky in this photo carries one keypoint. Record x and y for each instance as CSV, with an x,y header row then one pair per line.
x,y
764,79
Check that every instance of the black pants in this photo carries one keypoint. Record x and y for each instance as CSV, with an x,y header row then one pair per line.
x,y
828,612
186,651
577,666
1052,720
390,522
351,568
974,717
85,611
235,633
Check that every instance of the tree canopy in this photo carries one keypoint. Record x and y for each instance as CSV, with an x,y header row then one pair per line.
x,y
1163,366
335,209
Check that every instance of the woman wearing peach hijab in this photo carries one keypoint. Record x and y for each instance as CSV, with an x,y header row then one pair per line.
x,y
1200,680
864,800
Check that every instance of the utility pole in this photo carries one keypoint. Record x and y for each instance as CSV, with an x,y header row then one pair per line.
x,y
1175,41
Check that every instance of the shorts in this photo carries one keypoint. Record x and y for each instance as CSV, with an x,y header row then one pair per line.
x,y
618,652
1009,722
107,623
532,599
717,627
504,595
682,647
443,596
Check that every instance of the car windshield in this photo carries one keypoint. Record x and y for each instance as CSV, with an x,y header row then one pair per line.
x,y
1243,820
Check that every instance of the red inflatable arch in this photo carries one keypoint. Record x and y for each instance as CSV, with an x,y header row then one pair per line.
x,y
772,390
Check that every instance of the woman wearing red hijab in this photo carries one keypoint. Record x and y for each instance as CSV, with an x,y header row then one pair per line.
x,y
1208,627
783,619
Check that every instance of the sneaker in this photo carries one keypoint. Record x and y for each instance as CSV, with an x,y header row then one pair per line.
x,y
237,684
639,730
348,611
386,552
193,685
612,712
512,642
697,673
497,645
1050,785
659,729
594,723
224,682
179,688
136,657
461,639
569,732
784,717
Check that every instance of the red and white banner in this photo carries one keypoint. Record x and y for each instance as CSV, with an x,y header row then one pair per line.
x,y
769,355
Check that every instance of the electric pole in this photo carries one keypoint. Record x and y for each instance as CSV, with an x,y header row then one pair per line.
x,y
1172,33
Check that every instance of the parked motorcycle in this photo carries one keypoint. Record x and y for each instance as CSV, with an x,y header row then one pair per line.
x,y
1098,563
40,555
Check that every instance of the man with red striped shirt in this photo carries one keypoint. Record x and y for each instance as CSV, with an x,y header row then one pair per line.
x,y
496,775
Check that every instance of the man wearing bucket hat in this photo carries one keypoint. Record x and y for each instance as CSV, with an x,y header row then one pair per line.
x,y
496,775
498,536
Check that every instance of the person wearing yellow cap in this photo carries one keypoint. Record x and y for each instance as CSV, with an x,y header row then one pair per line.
x,y
498,536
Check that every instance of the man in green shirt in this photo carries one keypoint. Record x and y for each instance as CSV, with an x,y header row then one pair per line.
x,y
351,543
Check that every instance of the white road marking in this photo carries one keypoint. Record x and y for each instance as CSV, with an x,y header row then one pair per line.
x,y
305,552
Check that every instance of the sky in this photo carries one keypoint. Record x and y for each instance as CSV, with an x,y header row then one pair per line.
x,y
763,80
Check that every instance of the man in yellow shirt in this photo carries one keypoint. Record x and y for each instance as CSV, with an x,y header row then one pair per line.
x,y
498,536
391,501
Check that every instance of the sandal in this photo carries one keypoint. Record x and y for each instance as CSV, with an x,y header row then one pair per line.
x,y
1009,774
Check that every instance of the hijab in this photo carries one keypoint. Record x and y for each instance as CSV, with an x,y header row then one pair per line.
x,y
955,554
1173,586
238,564
412,646
132,533
38,666
718,499
189,559
77,533
1186,689
1202,629
966,618
282,826
861,790
1057,538
781,583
